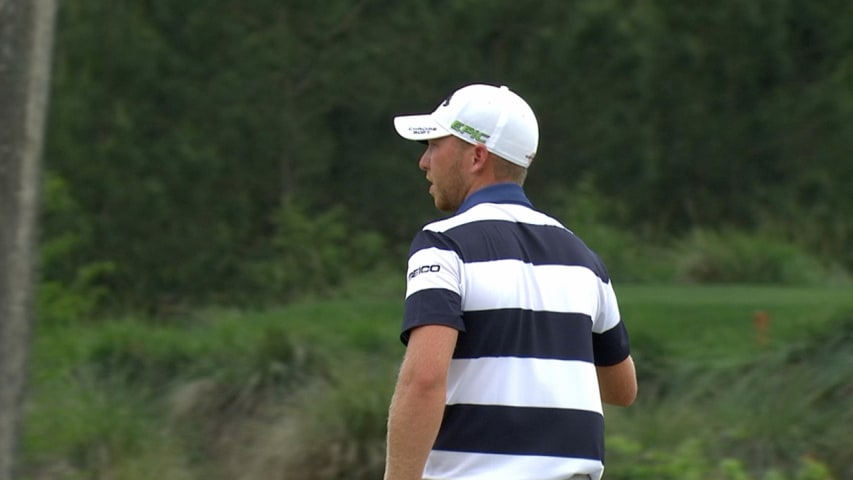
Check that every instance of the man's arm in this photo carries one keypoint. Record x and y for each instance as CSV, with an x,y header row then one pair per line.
x,y
418,403
618,383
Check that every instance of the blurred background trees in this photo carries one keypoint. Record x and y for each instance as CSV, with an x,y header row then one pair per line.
x,y
242,152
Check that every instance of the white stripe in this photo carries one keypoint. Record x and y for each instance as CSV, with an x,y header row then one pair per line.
x,y
609,310
545,383
446,277
445,465
491,211
515,284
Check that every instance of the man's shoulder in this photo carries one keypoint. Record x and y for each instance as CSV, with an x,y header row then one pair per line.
x,y
498,212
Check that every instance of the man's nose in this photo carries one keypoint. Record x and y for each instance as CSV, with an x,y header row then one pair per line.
x,y
423,163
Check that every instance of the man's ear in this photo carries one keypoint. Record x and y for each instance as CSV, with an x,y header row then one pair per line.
x,y
481,156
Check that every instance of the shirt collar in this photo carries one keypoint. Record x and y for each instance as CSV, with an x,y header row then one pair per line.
x,y
497,193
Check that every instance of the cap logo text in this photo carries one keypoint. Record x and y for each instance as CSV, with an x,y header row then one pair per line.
x,y
472,132
422,130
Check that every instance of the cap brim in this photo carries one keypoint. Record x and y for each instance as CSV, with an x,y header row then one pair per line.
x,y
419,127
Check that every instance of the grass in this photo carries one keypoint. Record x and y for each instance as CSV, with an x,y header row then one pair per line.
x,y
713,322
251,395
711,388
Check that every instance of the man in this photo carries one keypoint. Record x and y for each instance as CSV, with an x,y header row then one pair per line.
x,y
513,333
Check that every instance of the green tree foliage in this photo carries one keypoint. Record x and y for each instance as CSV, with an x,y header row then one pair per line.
x,y
71,288
309,254
181,127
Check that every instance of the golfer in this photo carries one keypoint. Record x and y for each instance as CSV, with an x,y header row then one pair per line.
x,y
513,333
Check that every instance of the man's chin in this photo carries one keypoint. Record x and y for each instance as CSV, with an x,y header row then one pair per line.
x,y
441,203
444,207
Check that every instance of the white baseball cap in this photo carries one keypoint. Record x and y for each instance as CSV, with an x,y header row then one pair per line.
x,y
493,116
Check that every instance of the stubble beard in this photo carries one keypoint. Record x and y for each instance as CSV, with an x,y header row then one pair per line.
x,y
449,197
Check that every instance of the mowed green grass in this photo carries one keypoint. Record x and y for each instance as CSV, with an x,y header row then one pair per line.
x,y
703,322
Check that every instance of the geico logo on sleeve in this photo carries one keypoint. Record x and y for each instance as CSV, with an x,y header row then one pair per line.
x,y
424,269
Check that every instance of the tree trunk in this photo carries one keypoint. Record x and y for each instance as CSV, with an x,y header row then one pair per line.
x,y
26,40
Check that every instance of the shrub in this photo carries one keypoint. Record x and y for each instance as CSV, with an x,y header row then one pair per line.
x,y
333,430
693,460
81,426
69,289
237,358
628,255
311,253
779,413
331,427
729,256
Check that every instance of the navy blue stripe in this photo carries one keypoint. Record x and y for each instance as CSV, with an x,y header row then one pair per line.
x,y
435,306
526,333
429,239
489,240
612,346
522,431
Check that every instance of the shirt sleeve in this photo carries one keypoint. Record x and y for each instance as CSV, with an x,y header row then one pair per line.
x,y
433,284
610,342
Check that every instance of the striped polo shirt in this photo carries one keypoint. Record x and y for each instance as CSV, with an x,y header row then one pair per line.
x,y
536,312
